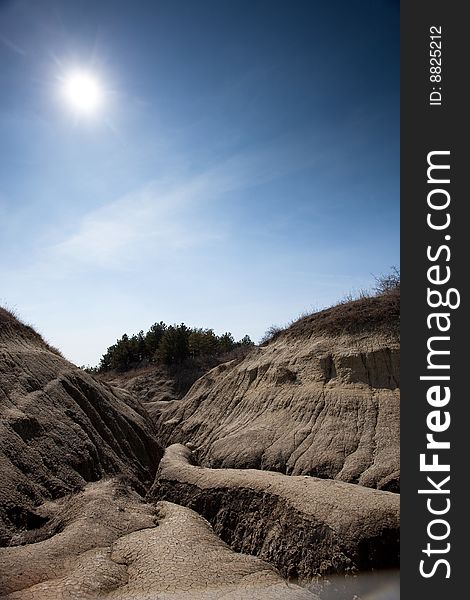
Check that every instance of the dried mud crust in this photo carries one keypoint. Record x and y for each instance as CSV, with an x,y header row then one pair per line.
x,y
108,543
304,526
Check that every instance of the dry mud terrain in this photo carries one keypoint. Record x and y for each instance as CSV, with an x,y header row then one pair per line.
x,y
282,466
110,544
321,399
282,518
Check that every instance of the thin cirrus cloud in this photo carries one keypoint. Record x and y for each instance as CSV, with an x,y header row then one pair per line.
x,y
112,235
12,46
168,217
150,218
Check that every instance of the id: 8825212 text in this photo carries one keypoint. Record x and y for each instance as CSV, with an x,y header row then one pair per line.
x,y
435,65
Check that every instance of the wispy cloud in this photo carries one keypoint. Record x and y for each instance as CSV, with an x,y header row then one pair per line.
x,y
12,46
164,217
150,218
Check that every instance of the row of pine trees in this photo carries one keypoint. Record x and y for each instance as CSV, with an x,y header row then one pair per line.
x,y
169,345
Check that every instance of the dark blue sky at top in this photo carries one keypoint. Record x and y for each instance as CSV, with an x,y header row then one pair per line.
x,y
244,166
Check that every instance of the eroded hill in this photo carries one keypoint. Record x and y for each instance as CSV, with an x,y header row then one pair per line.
x,y
321,399
89,509
60,428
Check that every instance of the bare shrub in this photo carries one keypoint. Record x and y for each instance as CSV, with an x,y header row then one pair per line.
x,y
387,284
271,334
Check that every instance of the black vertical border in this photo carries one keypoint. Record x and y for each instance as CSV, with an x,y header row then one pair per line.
x,y
424,129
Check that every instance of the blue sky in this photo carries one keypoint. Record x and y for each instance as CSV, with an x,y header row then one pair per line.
x,y
243,166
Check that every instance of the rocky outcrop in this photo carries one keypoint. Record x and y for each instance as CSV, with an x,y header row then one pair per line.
x,y
304,526
106,542
60,428
321,399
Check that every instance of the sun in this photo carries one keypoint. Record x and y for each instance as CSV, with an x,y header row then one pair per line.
x,y
83,92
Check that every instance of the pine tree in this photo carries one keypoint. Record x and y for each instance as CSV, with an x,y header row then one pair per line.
x,y
174,346
246,341
226,342
153,338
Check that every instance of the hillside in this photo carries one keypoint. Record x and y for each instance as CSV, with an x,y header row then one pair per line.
x,y
60,428
321,399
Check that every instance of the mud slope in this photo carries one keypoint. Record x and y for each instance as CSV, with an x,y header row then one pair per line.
x,y
321,399
109,544
59,429
150,385
304,526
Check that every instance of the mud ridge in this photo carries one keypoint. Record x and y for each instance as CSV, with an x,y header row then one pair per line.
x,y
304,526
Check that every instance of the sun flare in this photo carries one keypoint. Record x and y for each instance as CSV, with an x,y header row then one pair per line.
x,y
83,92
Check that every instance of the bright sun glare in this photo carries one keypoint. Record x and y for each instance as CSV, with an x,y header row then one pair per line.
x,y
83,92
